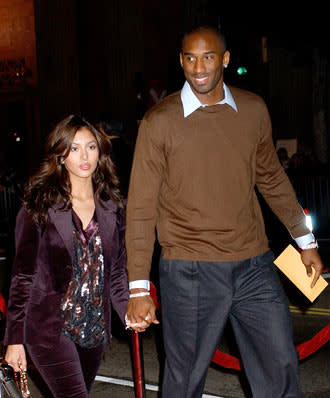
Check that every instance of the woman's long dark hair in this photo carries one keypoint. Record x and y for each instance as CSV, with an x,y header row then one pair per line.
x,y
51,186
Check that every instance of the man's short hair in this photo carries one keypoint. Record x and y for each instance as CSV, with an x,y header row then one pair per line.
x,y
202,28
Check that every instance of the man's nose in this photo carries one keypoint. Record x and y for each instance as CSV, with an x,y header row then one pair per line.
x,y
199,65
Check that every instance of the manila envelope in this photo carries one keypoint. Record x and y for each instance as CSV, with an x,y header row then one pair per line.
x,y
289,262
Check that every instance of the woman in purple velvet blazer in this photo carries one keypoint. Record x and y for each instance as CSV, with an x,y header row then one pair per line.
x,y
70,263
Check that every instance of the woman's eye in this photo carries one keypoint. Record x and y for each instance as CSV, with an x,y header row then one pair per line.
x,y
74,149
93,146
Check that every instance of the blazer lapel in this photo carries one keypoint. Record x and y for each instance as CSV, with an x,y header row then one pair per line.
x,y
107,223
105,217
63,223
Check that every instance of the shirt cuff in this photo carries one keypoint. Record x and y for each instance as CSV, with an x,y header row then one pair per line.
x,y
302,241
139,284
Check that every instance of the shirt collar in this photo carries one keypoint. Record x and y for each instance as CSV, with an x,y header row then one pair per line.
x,y
190,102
85,234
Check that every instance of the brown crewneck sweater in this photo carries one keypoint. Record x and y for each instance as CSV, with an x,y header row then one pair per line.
x,y
193,179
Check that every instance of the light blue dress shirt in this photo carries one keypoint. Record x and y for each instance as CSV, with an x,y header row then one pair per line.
x,y
190,102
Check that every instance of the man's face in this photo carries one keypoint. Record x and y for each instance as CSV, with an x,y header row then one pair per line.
x,y
202,59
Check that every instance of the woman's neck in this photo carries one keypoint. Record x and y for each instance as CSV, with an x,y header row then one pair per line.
x,y
82,198
82,189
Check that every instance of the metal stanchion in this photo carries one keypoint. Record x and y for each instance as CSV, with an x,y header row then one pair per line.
x,y
140,391
138,366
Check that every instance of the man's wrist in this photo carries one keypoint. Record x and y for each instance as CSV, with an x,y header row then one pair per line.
x,y
311,245
139,294
140,284
306,242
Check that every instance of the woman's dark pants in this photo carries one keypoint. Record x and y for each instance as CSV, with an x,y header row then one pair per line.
x,y
68,369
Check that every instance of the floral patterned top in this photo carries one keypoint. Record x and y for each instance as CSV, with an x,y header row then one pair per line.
x,y
82,305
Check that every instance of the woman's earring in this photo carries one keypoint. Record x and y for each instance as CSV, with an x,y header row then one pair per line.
x,y
225,65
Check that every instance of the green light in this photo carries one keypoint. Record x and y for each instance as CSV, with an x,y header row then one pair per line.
x,y
241,70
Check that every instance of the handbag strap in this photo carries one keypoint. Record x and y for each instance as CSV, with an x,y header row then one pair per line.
x,y
22,383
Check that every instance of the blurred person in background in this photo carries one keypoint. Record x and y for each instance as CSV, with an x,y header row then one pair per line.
x,y
120,154
283,157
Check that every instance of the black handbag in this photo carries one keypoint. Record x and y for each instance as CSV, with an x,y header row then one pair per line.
x,y
13,384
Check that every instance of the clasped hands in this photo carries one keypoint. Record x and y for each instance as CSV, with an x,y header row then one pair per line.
x,y
141,313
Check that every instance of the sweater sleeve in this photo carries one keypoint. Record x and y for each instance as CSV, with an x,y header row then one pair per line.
x,y
274,184
118,282
25,262
146,178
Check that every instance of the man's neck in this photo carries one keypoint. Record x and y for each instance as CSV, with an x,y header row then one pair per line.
x,y
212,97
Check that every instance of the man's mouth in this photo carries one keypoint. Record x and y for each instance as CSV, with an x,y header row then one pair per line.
x,y
200,80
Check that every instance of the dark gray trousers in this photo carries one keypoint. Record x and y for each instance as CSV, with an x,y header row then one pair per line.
x,y
197,298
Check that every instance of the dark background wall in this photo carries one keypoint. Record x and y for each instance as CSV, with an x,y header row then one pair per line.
x,y
95,57
18,80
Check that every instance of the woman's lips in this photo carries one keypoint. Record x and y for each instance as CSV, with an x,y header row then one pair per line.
x,y
85,166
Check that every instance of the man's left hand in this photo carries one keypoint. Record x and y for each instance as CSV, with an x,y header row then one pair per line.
x,y
311,258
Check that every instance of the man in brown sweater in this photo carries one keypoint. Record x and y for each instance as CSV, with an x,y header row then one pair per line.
x,y
199,155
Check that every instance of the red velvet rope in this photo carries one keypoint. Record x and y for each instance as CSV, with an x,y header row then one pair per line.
x,y
304,350
3,306
315,343
230,362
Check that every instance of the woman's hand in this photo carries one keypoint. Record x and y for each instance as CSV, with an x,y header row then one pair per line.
x,y
141,313
15,357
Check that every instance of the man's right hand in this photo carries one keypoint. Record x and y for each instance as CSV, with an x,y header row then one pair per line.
x,y
141,312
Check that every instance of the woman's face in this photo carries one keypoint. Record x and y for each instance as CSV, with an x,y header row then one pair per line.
x,y
83,156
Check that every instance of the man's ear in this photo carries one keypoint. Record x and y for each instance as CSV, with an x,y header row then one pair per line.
x,y
181,59
226,58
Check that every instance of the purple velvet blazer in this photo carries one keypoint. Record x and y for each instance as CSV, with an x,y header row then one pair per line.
x,y
43,268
